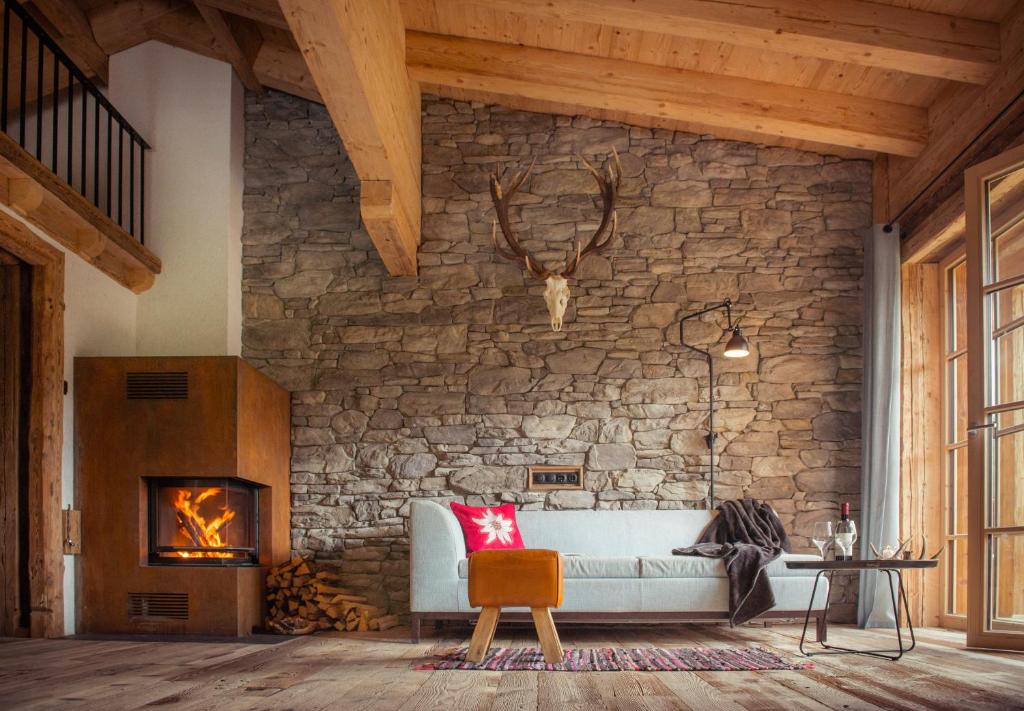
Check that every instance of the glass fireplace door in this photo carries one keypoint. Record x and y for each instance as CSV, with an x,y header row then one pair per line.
x,y
202,522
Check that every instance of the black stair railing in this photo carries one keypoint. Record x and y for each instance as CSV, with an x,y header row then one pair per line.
x,y
52,109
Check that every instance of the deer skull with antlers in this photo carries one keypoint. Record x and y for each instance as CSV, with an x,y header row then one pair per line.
x,y
556,294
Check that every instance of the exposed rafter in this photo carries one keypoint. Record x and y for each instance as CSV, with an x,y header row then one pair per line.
x,y
852,31
239,39
76,35
728,102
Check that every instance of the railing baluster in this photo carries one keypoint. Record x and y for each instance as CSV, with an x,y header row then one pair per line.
x,y
131,185
7,65
56,113
71,127
21,94
96,156
76,176
142,195
110,121
39,101
85,139
120,175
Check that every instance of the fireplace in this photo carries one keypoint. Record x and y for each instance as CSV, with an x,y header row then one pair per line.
x,y
182,479
203,522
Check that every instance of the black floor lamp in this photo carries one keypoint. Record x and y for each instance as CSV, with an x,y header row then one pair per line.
x,y
737,347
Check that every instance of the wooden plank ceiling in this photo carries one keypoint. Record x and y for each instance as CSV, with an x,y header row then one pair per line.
x,y
913,79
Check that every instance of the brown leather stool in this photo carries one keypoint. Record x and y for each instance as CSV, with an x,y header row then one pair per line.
x,y
516,578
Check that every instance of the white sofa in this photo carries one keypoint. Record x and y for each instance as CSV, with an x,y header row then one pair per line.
x,y
618,567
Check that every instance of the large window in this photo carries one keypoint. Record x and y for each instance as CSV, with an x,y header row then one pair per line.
x,y
954,484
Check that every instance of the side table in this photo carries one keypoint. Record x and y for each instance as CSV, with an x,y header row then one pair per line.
x,y
899,596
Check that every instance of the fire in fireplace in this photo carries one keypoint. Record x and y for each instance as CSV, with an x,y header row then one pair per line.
x,y
203,522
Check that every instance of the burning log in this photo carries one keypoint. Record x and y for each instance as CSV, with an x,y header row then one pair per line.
x,y
300,601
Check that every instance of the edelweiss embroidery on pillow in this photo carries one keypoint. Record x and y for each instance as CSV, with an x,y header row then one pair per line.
x,y
495,526
486,527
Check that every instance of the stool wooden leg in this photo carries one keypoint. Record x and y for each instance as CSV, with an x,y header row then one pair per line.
x,y
483,635
548,635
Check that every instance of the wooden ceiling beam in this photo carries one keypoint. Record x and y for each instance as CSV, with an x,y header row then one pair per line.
x,y
275,65
708,99
355,51
75,35
121,25
239,40
853,31
267,12
959,120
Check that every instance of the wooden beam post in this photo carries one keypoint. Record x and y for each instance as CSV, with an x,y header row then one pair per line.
x,y
355,50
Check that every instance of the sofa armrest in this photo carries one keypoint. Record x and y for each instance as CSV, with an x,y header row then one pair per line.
x,y
436,547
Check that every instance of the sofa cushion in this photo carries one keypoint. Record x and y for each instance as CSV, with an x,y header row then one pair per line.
x,y
488,527
580,566
692,566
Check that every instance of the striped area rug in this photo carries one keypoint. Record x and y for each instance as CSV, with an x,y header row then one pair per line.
x,y
621,659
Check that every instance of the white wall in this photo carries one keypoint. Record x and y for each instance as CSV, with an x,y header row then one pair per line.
x,y
190,110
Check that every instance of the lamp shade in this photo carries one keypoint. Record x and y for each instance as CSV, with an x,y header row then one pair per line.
x,y
737,347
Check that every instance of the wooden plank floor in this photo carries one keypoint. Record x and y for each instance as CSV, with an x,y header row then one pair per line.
x,y
374,671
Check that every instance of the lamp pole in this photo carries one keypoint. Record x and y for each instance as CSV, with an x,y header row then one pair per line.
x,y
711,435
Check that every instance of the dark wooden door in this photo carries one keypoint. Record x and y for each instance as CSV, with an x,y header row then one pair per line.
x,y
15,384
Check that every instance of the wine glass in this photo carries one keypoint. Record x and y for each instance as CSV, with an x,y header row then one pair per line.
x,y
821,535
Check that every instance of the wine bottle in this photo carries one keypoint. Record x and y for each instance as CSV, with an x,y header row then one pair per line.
x,y
846,534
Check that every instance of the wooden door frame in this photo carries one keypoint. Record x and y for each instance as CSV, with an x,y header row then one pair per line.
x,y
975,202
46,424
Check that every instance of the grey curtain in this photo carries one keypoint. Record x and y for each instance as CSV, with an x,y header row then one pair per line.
x,y
880,419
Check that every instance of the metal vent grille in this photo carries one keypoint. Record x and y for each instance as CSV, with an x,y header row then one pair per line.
x,y
158,606
157,386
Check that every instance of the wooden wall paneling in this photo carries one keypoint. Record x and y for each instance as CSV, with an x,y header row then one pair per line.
x,y
736,103
893,38
921,429
356,52
46,422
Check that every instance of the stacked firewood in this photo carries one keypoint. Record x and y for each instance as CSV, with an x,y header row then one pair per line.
x,y
302,601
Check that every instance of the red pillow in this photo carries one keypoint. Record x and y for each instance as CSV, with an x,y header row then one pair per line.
x,y
488,527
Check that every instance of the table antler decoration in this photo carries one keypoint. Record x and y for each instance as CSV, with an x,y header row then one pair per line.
x,y
556,295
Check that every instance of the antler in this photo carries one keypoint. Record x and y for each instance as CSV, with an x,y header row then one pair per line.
x,y
609,186
502,196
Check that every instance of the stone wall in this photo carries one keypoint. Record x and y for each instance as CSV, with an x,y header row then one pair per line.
x,y
448,385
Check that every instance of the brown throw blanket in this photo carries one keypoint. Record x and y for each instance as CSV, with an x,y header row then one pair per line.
x,y
748,536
